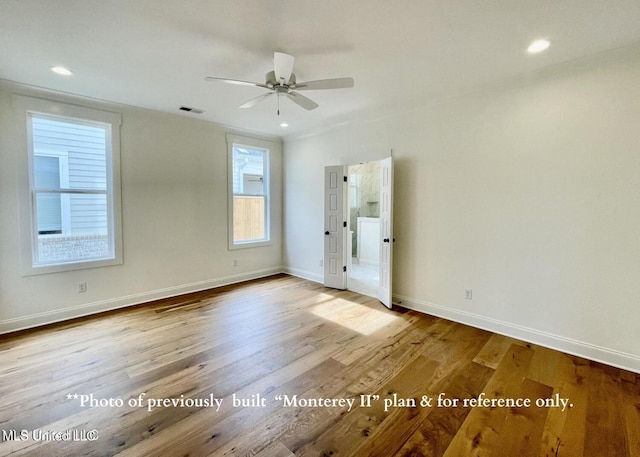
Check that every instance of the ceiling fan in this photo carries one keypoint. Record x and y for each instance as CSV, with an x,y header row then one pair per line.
x,y
282,81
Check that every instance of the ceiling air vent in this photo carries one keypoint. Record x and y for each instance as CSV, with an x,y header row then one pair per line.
x,y
191,110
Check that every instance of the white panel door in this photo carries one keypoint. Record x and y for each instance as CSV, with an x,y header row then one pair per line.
x,y
335,239
386,231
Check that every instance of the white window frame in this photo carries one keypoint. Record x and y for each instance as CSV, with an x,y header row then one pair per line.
x,y
26,107
234,140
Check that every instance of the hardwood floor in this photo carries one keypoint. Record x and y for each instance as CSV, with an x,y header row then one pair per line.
x,y
282,343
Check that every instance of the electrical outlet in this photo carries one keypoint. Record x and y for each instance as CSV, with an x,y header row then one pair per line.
x,y
468,294
321,262
82,287
235,262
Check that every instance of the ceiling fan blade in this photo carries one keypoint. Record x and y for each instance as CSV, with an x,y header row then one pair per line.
x,y
337,83
255,101
282,66
236,82
301,100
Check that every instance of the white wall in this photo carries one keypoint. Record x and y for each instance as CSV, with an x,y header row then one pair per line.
x,y
527,192
174,205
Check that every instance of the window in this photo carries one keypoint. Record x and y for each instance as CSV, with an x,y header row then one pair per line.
x,y
249,207
74,196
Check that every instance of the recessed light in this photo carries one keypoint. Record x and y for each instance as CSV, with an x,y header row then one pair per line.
x,y
538,46
284,124
62,71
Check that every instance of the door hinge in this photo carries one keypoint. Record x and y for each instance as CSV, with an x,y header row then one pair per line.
x,y
345,178
344,224
344,269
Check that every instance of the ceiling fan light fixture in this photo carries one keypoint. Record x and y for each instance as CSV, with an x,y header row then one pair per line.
x,y
538,46
282,67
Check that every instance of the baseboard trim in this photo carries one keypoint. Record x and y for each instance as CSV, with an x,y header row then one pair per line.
x,y
589,351
304,274
87,309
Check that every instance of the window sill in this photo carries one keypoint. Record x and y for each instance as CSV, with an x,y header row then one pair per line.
x,y
250,244
70,266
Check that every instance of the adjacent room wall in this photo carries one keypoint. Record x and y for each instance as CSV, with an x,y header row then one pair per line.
x,y
174,211
526,192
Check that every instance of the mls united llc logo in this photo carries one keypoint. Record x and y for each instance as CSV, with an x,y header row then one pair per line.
x,y
50,435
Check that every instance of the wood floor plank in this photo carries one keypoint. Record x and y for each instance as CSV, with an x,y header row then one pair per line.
x,y
544,365
564,432
521,432
605,431
442,423
631,414
494,350
275,449
481,431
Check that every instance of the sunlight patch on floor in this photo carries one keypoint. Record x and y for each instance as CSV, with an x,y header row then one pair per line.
x,y
354,316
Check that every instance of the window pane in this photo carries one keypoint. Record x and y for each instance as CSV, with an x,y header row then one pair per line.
x,y
47,172
47,176
248,171
88,214
49,214
248,218
85,146
88,238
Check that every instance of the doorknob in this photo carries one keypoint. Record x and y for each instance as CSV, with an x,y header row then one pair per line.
x,y
386,240
327,232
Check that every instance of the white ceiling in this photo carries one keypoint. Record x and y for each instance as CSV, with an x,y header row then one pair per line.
x,y
155,53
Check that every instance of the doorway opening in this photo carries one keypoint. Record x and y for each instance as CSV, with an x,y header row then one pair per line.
x,y
358,217
363,240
